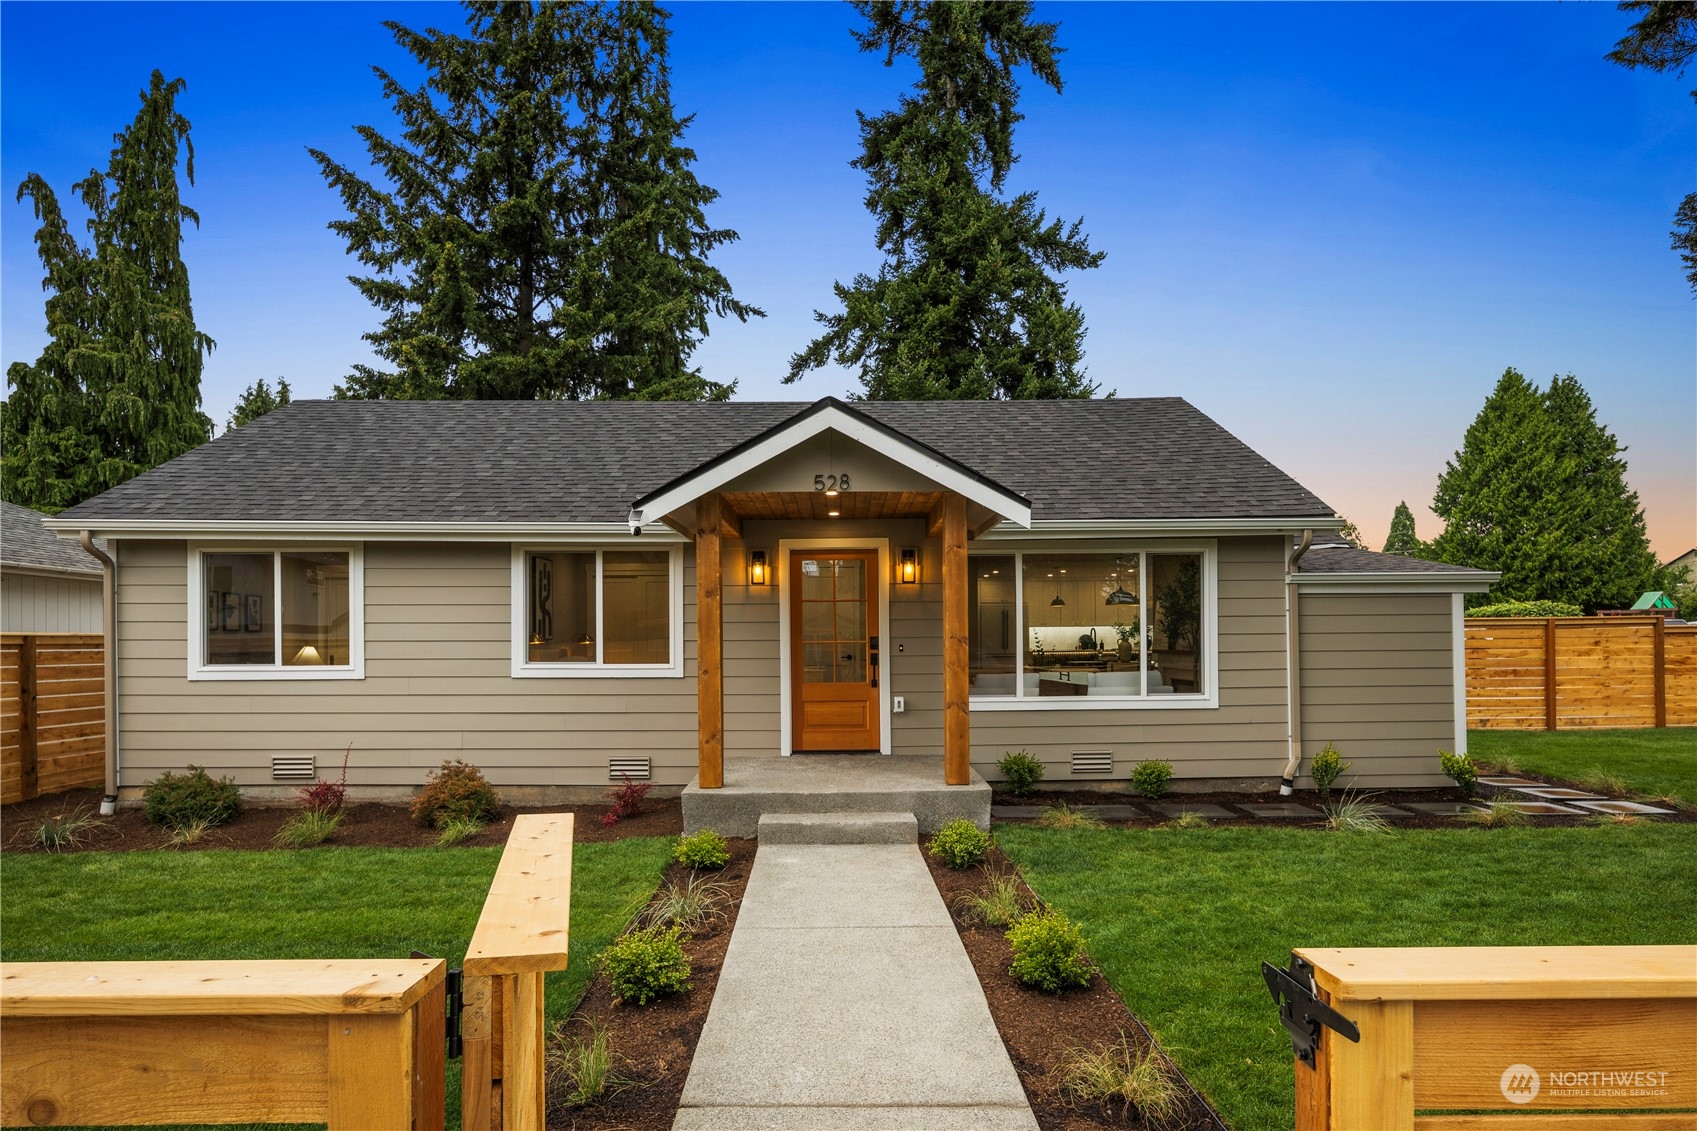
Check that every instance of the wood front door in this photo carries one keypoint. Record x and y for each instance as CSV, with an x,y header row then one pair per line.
x,y
834,650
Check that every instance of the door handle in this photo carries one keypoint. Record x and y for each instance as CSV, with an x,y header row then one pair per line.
x,y
872,658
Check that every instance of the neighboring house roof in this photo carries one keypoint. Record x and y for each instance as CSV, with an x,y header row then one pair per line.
x,y
1689,558
26,544
1336,566
562,461
1348,559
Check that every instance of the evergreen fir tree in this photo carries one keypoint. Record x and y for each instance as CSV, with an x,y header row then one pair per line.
x,y
967,304
1489,494
1606,561
544,236
1665,39
1351,533
257,400
1402,538
116,391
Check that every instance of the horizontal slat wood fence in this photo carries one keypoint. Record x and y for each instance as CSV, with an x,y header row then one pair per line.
x,y
52,713
1574,673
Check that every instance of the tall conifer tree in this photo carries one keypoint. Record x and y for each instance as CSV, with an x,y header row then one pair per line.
x,y
542,235
968,303
1665,39
257,400
116,391
1403,539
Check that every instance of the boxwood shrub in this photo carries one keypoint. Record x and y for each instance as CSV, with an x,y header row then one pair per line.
x,y
646,964
178,800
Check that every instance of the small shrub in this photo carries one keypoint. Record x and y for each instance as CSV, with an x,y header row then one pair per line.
x,y
1121,1075
1615,819
308,827
1495,817
1461,770
959,844
627,801
1048,951
1063,816
189,832
581,1069
174,801
455,830
1354,814
998,905
1188,819
457,790
705,849
694,903
69,830
1526,609
1020,773
328,796
646,964
1151,778
1602,781
1327,768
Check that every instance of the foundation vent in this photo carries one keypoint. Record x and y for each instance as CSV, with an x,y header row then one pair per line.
x,y
636,769
1092,761
294,767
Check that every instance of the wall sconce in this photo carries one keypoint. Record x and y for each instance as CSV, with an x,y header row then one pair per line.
x,y
907,573
757,567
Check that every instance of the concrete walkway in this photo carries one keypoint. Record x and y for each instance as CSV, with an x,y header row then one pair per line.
x,y
847,1002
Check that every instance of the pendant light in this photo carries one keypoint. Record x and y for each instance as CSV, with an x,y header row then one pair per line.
x,y
1120,597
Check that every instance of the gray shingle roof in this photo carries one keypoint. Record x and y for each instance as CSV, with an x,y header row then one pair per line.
x,y
562,461
1330,559
25,542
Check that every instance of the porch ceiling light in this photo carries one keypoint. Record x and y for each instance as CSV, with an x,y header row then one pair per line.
x,y
908,573
757,567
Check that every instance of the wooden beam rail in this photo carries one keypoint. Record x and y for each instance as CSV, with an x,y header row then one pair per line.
x,y
356,1044
1530,1032
521,935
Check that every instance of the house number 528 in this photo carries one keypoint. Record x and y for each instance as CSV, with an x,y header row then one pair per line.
x,y
831,482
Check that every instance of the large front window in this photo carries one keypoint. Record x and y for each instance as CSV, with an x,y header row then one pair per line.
x,y
1100,626
598,610
265,613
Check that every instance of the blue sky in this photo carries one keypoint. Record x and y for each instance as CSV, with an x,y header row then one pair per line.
x,y
1329,226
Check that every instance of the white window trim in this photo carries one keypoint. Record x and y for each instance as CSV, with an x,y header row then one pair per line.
x,y
201,671
1207,700
523,668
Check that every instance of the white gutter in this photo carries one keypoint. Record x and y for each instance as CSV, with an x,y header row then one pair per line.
x,y
1293,665
1447,581
1174,527
109,610
366,531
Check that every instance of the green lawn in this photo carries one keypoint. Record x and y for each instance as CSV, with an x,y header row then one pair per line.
x,y
1180,921
318,903
1652,762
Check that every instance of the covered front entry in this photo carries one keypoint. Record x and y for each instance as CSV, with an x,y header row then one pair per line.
x,y
832,464
834,655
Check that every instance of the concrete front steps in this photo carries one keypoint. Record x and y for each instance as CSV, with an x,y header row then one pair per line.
x,y
839,785
838,828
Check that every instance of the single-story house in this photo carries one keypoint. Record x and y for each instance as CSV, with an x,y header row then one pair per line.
x,y
563,592
47,584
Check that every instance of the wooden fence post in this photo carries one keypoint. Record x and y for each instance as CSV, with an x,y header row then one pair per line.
x,y
1661,675
1549,673
29,776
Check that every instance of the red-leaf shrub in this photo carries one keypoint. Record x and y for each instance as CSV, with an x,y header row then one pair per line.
x,y
627,800
327,796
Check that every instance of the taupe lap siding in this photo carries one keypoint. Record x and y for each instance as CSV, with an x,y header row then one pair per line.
x,y
438,684
1244,737
1378,683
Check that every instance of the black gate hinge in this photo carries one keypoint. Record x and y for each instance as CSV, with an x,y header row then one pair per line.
x,y
455,986
1301,1011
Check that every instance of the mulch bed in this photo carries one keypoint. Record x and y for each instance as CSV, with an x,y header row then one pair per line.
x,y
371,825
653,1044
1039,1028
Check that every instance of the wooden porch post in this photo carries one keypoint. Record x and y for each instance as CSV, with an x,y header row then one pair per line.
x,y
957,723
709,642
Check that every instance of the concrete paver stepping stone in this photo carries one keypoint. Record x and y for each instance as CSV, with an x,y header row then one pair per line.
x,y
1538,808
1442,808
1283,810
1390,812
846,1000
1509,782
1633,807
1115,812
1559,793
1016,812
1212,812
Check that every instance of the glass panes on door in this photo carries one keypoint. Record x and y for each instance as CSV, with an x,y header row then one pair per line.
x,y
833,620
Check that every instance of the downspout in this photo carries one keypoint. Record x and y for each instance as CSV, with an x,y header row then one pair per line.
x,y
1293,662
109,622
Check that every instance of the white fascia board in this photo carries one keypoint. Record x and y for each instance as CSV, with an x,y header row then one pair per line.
x,y
1473,581
18,568
1160,527
368,531
1011,508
